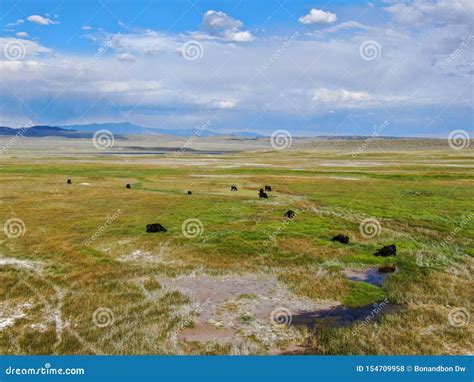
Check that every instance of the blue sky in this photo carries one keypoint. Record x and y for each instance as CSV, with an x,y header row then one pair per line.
x,y
311,67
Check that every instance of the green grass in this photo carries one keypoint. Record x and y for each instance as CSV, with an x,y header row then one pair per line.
x,y
361,294
417,206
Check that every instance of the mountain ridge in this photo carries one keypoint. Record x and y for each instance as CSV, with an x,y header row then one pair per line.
x,y
122,128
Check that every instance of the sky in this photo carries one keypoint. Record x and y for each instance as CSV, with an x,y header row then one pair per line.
x,y
393,68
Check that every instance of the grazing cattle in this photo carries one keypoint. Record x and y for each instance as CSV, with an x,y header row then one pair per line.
x,y
190,193
289,214
155,227
69,181
262,194
128,185
388,250
268,188
341,239
233,188
387,269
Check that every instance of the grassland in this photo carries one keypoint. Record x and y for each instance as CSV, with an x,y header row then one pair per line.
x,y
84,277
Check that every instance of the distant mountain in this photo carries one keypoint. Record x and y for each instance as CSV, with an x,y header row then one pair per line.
x,y
118,129
44,131
127,128
248,134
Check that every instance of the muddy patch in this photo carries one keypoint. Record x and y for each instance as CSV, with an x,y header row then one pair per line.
x,y
238,308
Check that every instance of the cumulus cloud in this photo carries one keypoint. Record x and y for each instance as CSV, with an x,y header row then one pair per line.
x,y
224,103
217,20
86,28
417,12
18,22
317,16
14,49
237,36
340,96
22,34
217,23
148,42
126,57
40,20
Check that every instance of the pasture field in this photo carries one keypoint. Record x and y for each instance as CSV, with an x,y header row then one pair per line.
x,y
80,275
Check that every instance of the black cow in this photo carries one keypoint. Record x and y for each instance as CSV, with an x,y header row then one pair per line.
x,y
233,188
268,188
155,227
69,181
190,193
388,250
289,214
341,239
262,194
128,185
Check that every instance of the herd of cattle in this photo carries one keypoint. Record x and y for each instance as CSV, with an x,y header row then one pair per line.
x,y
385,251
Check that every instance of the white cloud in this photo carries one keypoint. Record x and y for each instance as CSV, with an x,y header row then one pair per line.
x,y
324,95
347,99
130,86
224,103
217,23
317,16
40,20
22,34
18,22
417,12
17,47
126,57
86,28
239,36
147,43
216,20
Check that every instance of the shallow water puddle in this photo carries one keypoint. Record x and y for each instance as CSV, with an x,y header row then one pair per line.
x,y
368,275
